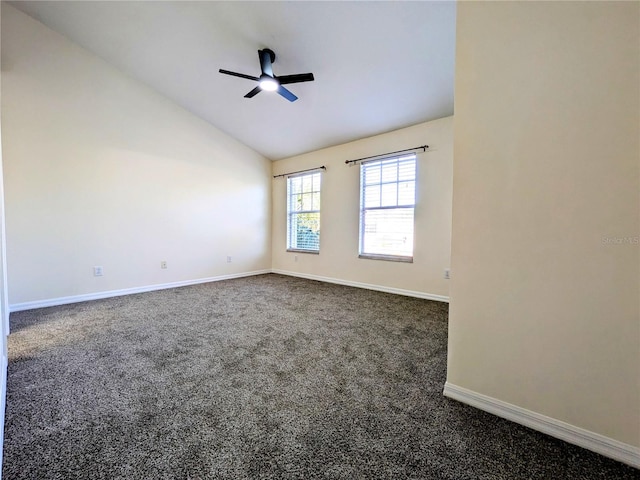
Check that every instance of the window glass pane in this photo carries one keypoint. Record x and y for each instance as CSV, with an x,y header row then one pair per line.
x,y
306,183
306,231
371,173
388,232
407,170
295,184
316,182
296,202
315,201
389,195
372,196
306,201
406,193
390,172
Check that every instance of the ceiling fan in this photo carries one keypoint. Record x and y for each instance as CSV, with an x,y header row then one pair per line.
x,y
268,81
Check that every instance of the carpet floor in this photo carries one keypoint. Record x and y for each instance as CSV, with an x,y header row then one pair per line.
x,y
265,377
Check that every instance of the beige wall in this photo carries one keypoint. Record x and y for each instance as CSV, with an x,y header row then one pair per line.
x,y
544,312
101,170
338,258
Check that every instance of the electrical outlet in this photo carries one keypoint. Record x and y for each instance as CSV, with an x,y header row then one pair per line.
x,y
228,258
97,271
163,264
447,274
295,258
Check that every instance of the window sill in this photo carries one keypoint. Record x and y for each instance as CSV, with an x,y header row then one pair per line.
x,y
295,250
388,258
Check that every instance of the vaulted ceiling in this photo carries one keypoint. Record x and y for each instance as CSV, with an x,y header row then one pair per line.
x,y
379,66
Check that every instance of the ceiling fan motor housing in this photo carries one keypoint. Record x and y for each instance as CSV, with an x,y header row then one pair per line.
x,y
272,54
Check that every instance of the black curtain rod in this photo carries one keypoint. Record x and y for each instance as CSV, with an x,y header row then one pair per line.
x,y
300,171
423,147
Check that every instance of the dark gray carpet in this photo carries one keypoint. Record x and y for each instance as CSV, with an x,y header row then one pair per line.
x,y
267,377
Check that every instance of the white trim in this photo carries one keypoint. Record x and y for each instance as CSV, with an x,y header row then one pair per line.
x,y
4,289
595,442
368,286
3,400
52,302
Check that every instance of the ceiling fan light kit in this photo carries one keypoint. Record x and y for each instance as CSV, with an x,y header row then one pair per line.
x,y
269,82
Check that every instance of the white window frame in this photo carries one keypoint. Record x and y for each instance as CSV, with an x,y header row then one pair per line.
x,y
292,213
409,206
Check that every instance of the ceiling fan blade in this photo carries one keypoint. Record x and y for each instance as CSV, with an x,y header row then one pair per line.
x,y
300,77
236,74
253,92
267,57
286,94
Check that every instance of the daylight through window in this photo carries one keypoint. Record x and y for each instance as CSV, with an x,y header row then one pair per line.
x,y
387,202
303,212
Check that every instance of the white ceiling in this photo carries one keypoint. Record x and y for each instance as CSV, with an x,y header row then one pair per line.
x,y
379,66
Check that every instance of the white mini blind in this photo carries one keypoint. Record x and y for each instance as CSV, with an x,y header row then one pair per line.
x,y
388,193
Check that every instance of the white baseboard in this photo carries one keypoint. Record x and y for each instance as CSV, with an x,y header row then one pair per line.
x,y
52,302
595,442
368,286
3,399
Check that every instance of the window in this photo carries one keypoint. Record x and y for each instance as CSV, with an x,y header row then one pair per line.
x,y
303,212
387,202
